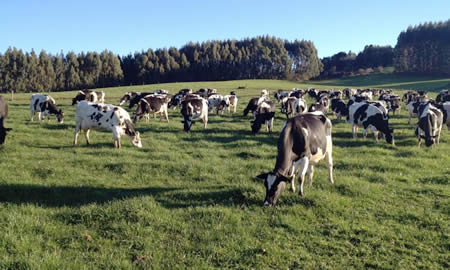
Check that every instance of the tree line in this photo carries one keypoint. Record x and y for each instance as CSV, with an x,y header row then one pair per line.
x,y
424,48
262,57
373,57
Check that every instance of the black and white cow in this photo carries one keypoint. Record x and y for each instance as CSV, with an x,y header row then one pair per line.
x,y
152,104
264,114
369,116
298,93
3,115
214,101
89,96
292,106
229,101
317,107
91,115
443,96
280,94
445,108
413,109
393,101
304,140
430,124
349,93
192,108
339,108
134,98
45,106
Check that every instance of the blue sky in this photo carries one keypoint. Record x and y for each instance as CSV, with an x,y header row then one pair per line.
x,y
128,26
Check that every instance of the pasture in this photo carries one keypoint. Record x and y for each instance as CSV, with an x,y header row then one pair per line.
x,y
192,200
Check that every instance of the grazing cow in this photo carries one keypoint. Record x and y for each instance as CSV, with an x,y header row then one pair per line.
x,y
152,104
135,99
445,108
430,124
229,101
280,94
45,106
367,94
92,115
86,95
369,117
214,101
304,140
3,115
349,93
339,108
191,108
292,106
264,113
393,101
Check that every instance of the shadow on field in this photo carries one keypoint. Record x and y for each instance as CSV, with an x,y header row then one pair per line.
x,y
170,197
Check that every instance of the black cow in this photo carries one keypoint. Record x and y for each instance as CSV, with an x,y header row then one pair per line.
x,y
3,115
251,106
191,108
264,114
369,117
304,140
430,124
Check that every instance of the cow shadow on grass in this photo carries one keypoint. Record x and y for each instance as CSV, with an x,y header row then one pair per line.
x,y
168,197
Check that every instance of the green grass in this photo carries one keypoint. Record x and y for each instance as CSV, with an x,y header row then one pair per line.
x,y
390,80
193,201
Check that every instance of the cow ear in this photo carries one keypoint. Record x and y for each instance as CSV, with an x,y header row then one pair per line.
x,y
262,176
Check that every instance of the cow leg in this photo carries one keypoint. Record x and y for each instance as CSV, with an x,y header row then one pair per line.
x,y
166,115
304,162
310,174
117,143
270,124
365,133
205,121
329,158
39,116
354,130
77,131
86,135
31,115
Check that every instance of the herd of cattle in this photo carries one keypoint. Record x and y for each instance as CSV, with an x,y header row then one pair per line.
x,y
305,137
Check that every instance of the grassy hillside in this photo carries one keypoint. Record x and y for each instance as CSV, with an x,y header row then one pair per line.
x,y
390,80
191,200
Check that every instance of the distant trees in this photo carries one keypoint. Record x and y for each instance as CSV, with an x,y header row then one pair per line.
x,y
424,49
27,72
262,57
372,57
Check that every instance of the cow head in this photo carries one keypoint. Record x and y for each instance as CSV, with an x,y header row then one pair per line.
x,y
74,101
275,185
135,136
60,116
125,98
187,122
256,125
390,136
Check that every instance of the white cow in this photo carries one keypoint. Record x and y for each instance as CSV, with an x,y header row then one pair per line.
x,y
92,115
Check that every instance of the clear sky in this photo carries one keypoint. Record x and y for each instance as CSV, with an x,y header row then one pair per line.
x,y
134,25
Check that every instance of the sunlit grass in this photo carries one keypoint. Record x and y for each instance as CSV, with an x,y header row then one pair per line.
x,y
191,200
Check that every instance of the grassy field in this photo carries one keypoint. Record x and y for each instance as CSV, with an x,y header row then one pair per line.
x,y
192,200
